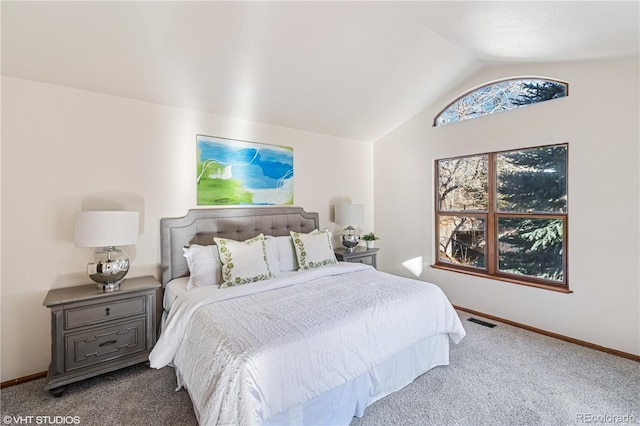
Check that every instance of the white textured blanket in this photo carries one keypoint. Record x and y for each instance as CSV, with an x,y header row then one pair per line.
x,y
247,353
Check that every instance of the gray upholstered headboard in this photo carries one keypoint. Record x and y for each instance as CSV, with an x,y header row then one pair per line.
x,y
199,226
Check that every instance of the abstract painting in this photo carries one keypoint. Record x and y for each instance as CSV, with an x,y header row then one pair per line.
x,y
233,172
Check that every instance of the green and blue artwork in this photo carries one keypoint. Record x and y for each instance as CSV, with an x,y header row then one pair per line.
x,y
233,172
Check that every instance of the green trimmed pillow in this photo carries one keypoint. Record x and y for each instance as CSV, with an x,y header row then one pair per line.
x,y
243,261
314,249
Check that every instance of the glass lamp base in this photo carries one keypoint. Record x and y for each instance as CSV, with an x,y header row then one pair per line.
x,y
108,268
350,241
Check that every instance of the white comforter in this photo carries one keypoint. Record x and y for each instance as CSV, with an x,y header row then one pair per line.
x,y
249,352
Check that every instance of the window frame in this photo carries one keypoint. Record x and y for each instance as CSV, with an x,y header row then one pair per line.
x,y
490,217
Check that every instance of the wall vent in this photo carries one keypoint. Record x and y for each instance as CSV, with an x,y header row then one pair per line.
x,y
477,321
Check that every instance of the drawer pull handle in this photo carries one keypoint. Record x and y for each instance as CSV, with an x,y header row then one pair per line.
x,y
107,312
107,343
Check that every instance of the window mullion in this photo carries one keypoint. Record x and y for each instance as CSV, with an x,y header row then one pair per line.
x,y
491,235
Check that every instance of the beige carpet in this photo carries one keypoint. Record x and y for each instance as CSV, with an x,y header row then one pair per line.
x,y
497,376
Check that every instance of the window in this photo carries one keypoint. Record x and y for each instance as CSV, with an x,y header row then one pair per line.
x,y
501,96
504,215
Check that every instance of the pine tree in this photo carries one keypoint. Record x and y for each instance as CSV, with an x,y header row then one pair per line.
x,y
532,181
539,91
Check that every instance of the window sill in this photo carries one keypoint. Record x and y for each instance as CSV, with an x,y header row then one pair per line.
x,y
503,278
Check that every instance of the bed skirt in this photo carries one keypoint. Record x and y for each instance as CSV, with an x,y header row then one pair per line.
x,y
340,405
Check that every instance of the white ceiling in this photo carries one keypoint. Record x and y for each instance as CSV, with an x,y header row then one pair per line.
x,y
350,69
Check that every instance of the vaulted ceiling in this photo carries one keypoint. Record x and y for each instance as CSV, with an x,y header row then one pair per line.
x,y
350,69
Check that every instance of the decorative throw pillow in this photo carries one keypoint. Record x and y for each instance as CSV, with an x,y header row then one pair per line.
x,y
313,249
204,265
243,261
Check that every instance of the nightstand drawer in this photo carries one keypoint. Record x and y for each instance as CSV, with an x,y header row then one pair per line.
x,y
104,344
359,255
365,260
104,312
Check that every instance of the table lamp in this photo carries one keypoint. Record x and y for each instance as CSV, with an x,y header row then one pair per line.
x,y
105,230
349,214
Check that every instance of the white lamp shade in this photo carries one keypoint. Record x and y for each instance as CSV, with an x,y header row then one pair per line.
x,y
106,228
349,214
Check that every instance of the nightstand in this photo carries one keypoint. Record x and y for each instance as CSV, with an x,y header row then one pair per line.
x,y
359,255
93,332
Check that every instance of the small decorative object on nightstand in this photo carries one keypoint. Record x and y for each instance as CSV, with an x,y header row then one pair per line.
x,y
93,332
370,239
359,255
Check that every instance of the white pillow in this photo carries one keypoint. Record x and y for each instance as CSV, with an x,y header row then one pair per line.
x,y
204,265
243,261
313,249
286,254
273,257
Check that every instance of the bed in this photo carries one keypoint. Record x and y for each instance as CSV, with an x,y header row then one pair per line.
x,y
275,331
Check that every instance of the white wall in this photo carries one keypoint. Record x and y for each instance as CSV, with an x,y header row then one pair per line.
x,y
600,121
64,150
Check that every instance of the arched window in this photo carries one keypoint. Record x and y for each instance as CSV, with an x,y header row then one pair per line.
x,y
501,96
